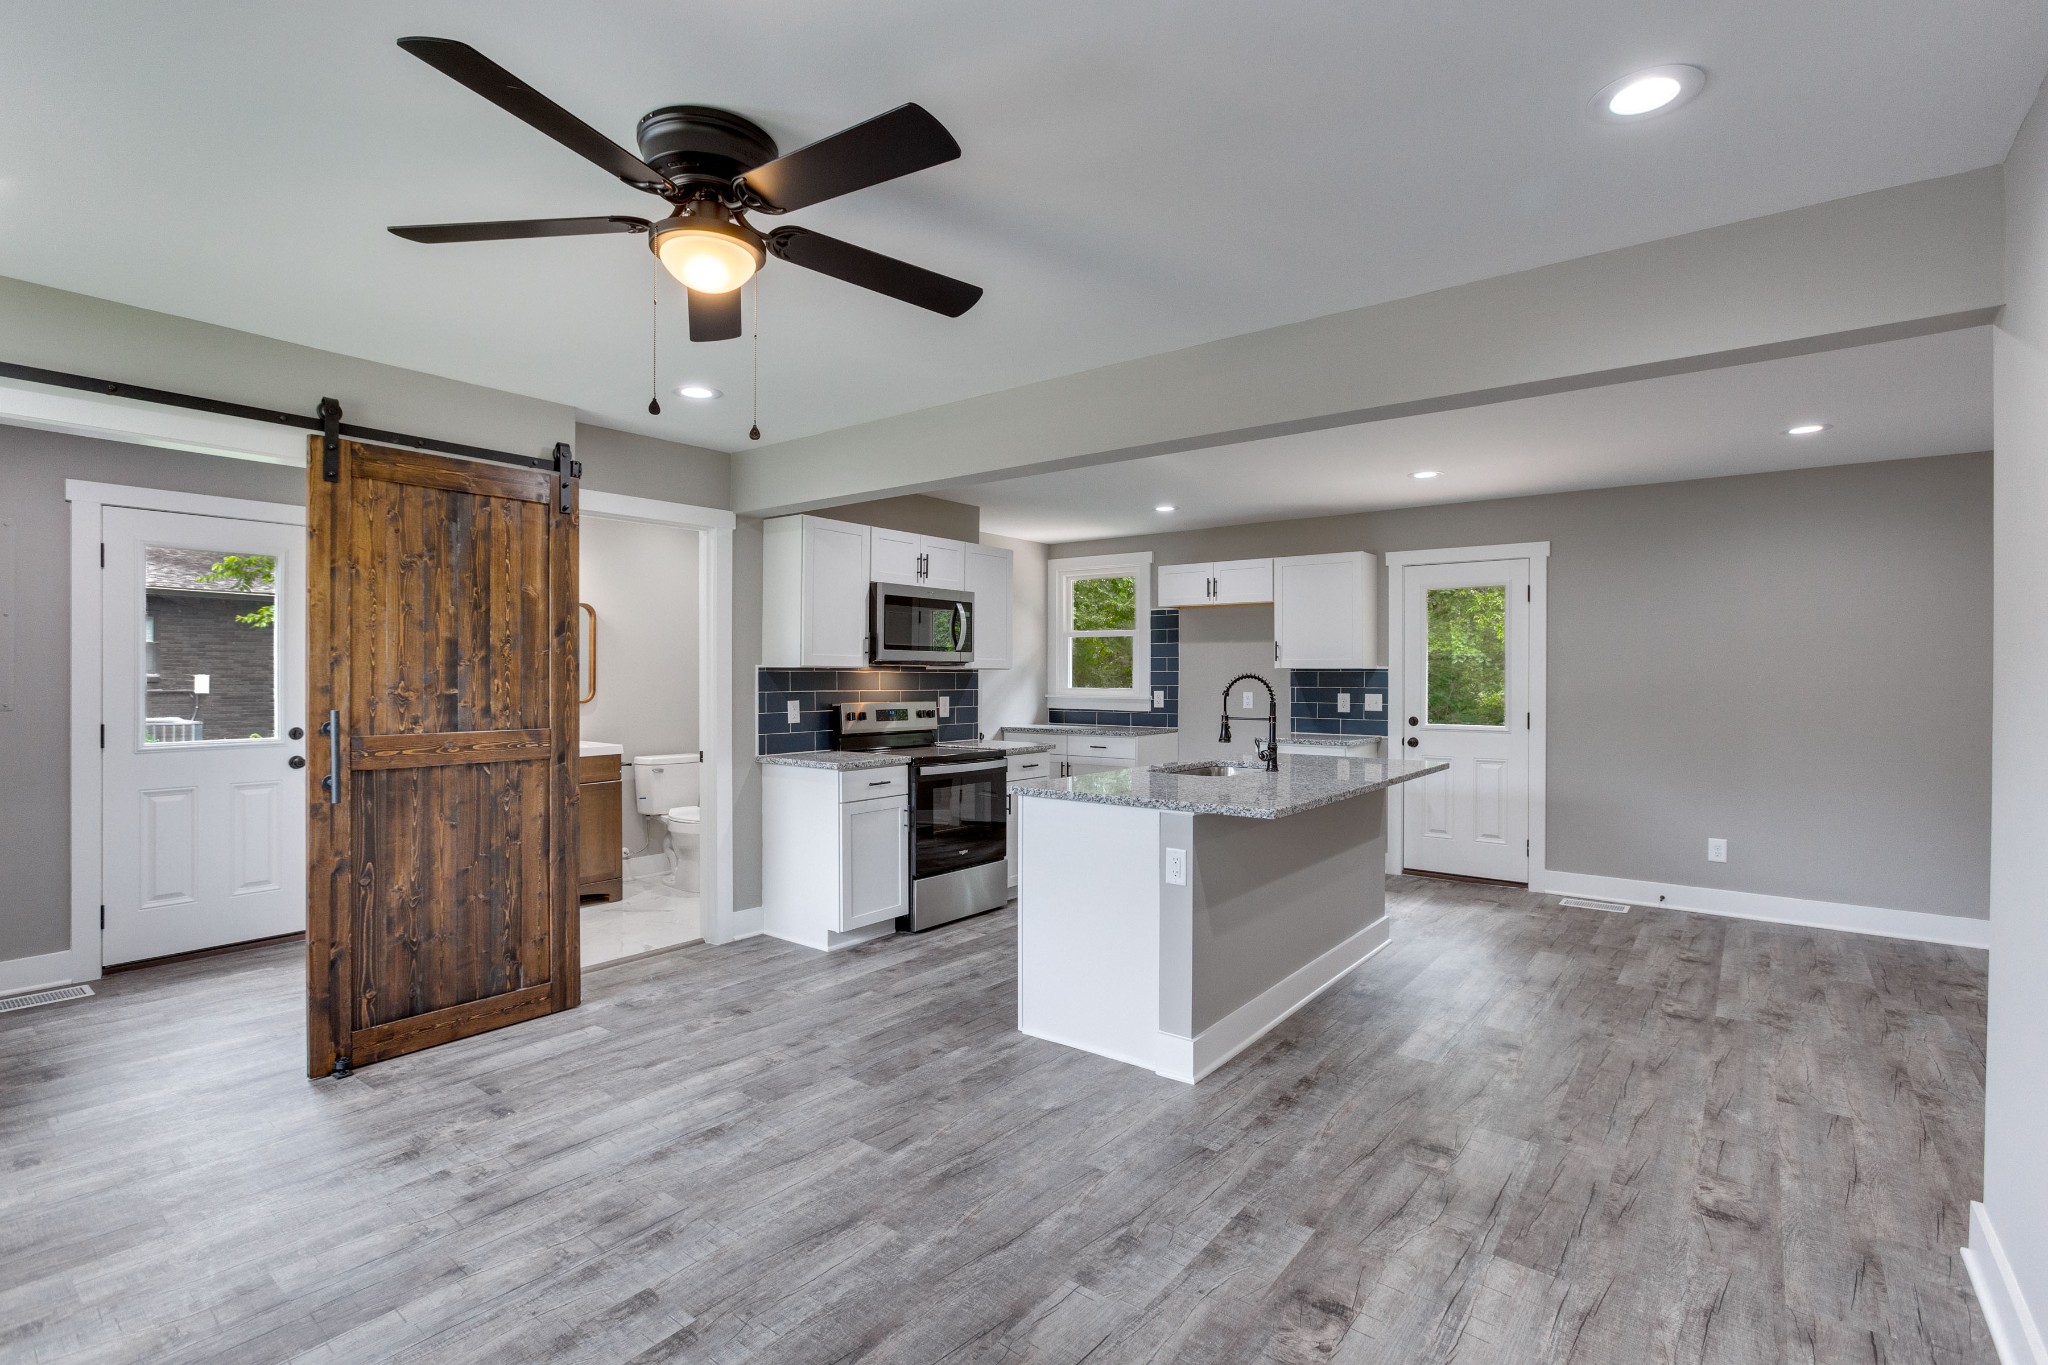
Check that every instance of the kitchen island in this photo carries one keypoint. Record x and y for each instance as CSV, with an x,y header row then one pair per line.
x,y
1169,918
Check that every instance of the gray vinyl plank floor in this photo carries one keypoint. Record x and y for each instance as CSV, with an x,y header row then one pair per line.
x,y
1523,1133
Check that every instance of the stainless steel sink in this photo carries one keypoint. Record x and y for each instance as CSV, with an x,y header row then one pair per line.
x,y
1208,769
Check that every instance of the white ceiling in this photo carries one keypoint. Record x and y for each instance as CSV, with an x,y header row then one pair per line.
x,y
1895,400
1138,176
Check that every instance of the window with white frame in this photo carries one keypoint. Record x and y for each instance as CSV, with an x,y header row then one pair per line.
x,y
1098,619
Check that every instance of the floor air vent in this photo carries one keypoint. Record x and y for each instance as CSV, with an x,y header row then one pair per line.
x,y
1611,907
22,1002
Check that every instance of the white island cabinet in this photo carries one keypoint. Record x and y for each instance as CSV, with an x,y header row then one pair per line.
x,y
1169,920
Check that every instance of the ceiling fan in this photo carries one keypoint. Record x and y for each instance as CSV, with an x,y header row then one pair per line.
x,y
715,167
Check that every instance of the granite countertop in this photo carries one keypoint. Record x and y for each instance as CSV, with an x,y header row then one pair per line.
x,y
1333,741
845,760
1303,783
1116,731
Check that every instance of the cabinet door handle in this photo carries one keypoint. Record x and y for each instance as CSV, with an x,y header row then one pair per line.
x,y
883,783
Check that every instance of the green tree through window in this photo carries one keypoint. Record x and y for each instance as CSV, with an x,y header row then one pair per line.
x,y
248,573
1104,604
1468,656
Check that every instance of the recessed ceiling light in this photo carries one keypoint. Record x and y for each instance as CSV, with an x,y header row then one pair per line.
x,y
1164,507
1806,429
700,392
1642,93
1425,474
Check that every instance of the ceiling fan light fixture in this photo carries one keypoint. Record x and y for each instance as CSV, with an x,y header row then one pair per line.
x,y
706,250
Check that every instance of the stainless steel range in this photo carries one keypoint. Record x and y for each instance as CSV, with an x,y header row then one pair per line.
x,y
958,858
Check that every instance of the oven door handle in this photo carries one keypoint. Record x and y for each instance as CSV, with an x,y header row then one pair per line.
x,y
949,770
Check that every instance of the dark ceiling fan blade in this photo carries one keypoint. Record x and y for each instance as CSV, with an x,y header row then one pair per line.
x,y
714,317
903,140
463,63
872,270
518,227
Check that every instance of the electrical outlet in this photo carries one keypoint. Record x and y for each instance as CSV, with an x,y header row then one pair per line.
x,y
1247,699
1176,867
1375,702
202,684
1717,850
1343,703
1158,698
945,706
796,714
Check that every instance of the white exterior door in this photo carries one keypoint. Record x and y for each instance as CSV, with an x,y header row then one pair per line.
x,y
203,698
1465,666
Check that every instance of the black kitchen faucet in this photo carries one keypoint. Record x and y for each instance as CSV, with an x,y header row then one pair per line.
x,y
1271,751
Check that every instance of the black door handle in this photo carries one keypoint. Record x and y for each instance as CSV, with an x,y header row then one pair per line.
x,y
1413,742
295,733
1413,721
296,761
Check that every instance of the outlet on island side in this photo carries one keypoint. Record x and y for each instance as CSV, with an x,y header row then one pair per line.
x,y
1717,850
1176,867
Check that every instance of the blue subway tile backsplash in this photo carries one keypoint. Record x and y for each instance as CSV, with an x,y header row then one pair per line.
x,y
1165,678
818,693
1312,703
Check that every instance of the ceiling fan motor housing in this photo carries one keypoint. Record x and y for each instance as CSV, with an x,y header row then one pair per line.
x,y
696,143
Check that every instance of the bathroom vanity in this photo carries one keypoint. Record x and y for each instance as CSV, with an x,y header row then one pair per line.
x,y
600,870
1169,917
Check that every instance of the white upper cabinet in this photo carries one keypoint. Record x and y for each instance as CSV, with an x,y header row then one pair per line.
x,y
1225,583
893,556
814,593
906,557
988,578
1326,611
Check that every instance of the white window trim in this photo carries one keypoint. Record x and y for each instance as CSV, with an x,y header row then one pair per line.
x,y
1138,696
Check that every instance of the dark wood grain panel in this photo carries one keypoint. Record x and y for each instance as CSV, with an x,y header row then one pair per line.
x,y
445,654
448,746
598,768
452,475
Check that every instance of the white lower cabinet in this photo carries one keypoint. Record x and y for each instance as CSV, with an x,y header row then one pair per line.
x,y
835,866
1022,767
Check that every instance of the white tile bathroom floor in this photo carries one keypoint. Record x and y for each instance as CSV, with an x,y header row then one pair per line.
x,y
651,915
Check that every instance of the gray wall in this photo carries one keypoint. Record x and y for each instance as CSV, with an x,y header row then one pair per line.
x,y
35,728
2016,1062
1799,663
1217,644
35,733
926,516
641,579
642,467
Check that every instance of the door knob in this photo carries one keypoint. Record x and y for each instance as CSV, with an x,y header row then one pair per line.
x,y
1413,742
1413,721
296,761
295,733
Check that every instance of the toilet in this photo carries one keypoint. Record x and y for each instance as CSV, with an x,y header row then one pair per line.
x,y
666,785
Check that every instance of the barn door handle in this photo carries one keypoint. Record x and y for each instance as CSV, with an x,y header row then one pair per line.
x,y
332,729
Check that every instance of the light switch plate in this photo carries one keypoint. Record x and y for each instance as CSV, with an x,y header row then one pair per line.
x,y
1717,850
1343,702
1176,867
1375,702
796,714
945,706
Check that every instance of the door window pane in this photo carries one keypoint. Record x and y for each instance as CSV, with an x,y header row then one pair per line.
x,y
1468,656
210,645
1102,661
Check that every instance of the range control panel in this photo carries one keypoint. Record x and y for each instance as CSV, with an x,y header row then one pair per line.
x,y
887,718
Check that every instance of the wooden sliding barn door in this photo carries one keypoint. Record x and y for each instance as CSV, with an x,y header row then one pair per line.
x,y
441,899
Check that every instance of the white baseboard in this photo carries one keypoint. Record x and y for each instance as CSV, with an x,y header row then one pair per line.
x,y
2014,1332
1189,1059
19,975
1706,900
644,864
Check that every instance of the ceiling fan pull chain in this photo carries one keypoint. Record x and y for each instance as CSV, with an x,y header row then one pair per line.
x,y
654,340
755,433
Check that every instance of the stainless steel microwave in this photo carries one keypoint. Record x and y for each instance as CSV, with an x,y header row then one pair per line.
x,y
913,624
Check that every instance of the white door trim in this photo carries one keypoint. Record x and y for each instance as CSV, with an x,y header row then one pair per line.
x,y
722,923
1537,552
87,501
